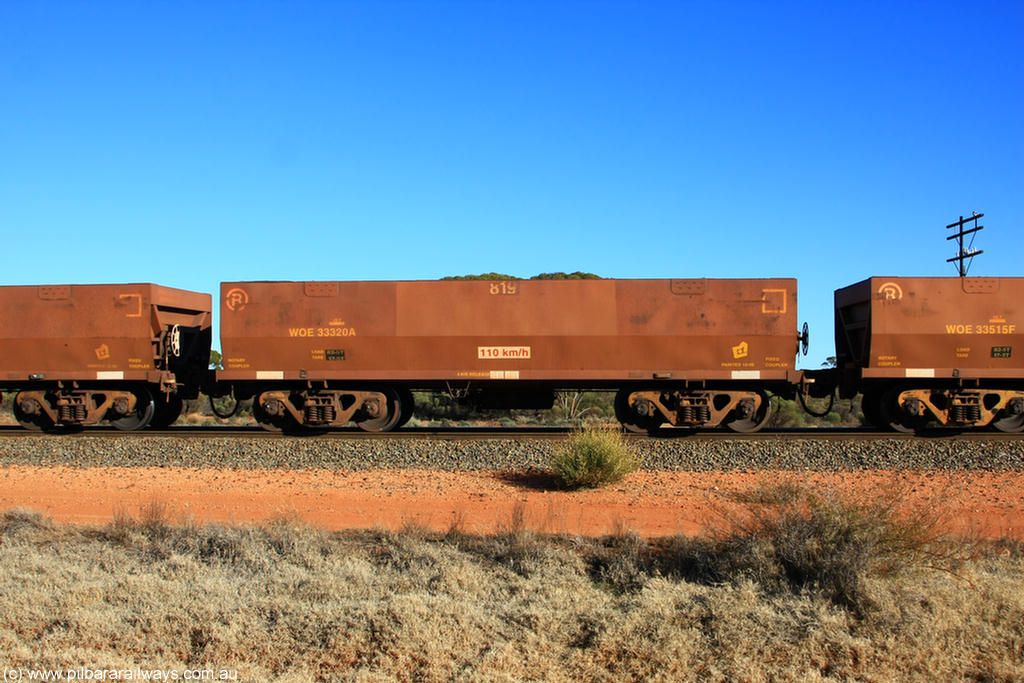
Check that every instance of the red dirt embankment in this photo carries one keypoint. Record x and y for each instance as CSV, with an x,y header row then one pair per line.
x,y
987,504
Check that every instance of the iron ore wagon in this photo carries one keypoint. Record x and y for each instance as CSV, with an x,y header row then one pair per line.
x,y
82,354
686,352
944,350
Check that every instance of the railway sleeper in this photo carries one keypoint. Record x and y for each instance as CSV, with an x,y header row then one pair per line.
x,y
913,408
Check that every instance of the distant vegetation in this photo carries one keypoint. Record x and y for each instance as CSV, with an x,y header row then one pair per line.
x,y
543,276
567,276
482,276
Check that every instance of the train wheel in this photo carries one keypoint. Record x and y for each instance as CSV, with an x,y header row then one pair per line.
x,y
749,420
901,418
871,406
1011,420
30,415
167,411
631,419
145,408
408,406
273,416
381,417
1013,424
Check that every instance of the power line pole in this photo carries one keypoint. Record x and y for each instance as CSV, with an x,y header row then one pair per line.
x,y
970,252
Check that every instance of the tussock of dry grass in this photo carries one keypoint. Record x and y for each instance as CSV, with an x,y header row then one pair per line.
x,y
594,456
789,536
287,602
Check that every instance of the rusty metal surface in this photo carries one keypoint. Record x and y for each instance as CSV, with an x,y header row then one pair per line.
x,y
96,332
546,330
940,327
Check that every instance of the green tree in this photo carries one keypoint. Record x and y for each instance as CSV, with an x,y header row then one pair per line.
x,y
578,275
482,276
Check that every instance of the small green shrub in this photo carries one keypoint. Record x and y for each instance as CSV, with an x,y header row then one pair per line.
x,y
592,457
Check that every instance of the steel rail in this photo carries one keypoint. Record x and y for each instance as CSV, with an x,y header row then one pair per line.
x,y
514,433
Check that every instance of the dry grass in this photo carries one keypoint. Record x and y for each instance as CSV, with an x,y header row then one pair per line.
x,y
789,536
287,602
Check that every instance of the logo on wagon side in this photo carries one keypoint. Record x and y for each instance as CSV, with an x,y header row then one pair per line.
x,y
236,299
891,291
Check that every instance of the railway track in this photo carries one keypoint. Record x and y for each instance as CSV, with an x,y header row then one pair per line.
x,y
515,433
481,477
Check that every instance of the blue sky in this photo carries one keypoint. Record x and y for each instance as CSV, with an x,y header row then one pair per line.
x,y
186,143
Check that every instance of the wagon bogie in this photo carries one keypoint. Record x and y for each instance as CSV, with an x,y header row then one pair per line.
x,y
373,410
648,410
126,408
909,408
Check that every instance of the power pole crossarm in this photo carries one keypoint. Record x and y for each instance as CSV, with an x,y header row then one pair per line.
x,y
970,252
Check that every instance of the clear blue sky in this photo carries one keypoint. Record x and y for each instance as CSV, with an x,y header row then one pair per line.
x,y
187,143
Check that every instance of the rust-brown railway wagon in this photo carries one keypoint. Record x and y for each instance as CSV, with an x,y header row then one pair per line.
x,y
80,354
944,349
686,351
